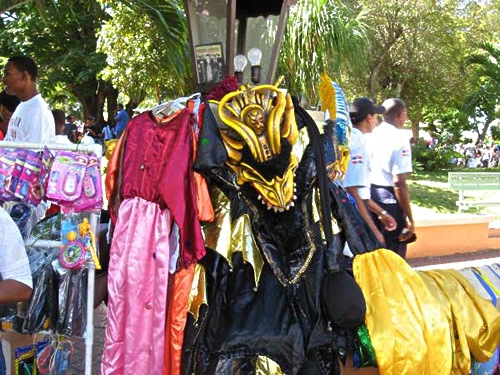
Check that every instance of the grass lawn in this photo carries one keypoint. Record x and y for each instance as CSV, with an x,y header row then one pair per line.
x,y
430,190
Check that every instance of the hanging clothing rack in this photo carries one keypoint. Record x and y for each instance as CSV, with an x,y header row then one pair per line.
x,y
86,149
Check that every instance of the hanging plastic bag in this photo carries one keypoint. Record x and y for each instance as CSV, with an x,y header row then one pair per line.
x,y
37,317
72,302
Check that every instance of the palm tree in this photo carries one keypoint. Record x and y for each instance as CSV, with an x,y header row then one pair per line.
x,y
486,61
322,35
483,102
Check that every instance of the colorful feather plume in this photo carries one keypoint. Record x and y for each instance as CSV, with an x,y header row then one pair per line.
x,y
327,95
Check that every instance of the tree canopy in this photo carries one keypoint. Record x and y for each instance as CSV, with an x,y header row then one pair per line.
x,y
440,57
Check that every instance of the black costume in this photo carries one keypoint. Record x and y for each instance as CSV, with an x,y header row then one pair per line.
x,y
280,313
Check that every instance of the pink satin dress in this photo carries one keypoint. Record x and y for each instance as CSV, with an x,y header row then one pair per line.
x,y
158,190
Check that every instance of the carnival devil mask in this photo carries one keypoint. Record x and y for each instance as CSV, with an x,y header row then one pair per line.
x,y
260,133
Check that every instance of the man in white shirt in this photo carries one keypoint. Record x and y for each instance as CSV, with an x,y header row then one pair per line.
x,y
390,156
363,114
32,120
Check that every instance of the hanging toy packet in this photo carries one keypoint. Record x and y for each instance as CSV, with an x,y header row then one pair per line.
x,y
7,161
12,180
66,177
28,177
91,197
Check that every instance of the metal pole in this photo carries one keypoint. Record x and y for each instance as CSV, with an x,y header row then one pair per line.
x,y
87,149
89,331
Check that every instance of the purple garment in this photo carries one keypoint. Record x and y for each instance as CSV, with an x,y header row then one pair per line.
x,y
137,285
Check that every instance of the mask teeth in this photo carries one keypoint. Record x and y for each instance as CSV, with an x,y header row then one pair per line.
x,y
275,208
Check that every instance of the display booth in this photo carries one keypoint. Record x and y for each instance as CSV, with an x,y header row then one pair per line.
x,y
62,250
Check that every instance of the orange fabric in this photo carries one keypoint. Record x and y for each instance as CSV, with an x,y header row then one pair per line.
x,y
178,305
205,208
113,178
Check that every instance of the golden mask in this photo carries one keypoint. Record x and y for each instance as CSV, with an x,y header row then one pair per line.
x,y
260,117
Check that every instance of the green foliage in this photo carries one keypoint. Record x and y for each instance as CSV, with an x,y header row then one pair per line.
x,y
495,133
446,124
146,48
61,37
322,35
432,159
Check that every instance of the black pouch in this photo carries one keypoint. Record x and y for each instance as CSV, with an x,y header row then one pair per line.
x,y
411,239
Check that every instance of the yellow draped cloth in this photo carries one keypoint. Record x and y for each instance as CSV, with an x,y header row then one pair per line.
x,y
474,320
424,322
409,330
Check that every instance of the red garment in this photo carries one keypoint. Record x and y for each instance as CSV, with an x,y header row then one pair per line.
x,y
157,166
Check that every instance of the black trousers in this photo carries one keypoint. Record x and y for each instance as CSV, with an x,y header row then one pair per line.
x,y
386,198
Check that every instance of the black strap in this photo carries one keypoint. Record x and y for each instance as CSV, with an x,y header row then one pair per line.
x,y
323,181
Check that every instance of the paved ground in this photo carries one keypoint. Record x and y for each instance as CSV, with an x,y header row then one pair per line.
x,y
78,362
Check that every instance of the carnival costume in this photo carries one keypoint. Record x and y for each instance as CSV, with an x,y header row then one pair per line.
x,y
273,294
270,251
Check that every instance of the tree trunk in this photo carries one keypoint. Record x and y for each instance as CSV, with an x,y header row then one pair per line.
x,y
482,134
94,105
415,128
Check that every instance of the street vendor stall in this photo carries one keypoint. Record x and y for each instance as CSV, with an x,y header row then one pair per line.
x,y
62,249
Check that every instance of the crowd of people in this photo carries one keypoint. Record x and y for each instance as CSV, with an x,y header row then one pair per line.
x,y
478,156
90,131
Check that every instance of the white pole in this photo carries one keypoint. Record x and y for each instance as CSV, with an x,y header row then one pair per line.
x,y
89,331
88,149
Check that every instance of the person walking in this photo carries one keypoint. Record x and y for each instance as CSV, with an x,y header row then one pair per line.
x,y
390,156
93,129
363,114
32,121
71,129
60,126
121,119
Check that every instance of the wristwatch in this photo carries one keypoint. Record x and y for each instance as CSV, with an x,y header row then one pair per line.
x,y
382,214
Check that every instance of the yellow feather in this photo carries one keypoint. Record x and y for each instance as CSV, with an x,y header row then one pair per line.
x,y
327,95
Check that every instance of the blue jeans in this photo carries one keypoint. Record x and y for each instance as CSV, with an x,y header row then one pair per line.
x,y
3,368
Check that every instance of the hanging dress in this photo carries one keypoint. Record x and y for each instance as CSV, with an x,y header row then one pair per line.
x,y
157,190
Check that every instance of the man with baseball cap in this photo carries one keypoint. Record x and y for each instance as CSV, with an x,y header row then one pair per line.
x,y
390,156
364,117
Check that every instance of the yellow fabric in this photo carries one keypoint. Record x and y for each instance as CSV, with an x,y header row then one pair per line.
x,y
227,237
477,316
461,358
266,366
409,330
